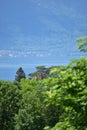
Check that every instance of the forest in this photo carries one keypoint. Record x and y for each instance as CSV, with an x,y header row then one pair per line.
x,y
53,98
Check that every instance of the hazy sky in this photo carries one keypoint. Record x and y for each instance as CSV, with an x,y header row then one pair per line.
x,y
35,32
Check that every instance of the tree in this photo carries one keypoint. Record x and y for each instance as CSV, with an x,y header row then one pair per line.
x,y
82,43
30,115
20,74
36,110
41,73
9,104
71,94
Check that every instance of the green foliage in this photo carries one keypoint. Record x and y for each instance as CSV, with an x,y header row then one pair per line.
x,y
9,104
41,73
35,112
30,115
71,94
82,43
20,74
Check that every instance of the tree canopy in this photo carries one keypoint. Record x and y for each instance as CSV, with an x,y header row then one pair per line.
x,y
20,74
82,43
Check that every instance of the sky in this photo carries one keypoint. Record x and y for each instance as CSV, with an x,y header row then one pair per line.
x,y
40,32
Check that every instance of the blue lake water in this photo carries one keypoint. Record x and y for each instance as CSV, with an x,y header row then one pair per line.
x,y
9,73
9,66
